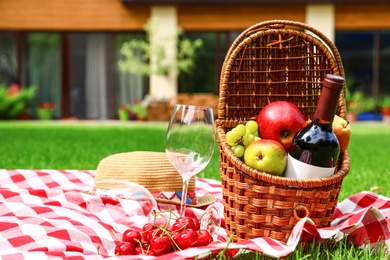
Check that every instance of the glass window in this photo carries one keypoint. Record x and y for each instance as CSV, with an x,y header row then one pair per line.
x,y
356,51
42,67
203,78
89,75
8,60
384,74
129,88
77,63
98,86
209,61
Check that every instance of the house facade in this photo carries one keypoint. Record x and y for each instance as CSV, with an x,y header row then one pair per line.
x,y
70,49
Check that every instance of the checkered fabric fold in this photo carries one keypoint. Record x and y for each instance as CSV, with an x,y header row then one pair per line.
x,y
48,214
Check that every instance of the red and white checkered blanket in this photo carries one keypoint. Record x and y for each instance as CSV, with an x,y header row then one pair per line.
x,y
46,214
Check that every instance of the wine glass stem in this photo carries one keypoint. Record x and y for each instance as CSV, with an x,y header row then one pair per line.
x,y
184,197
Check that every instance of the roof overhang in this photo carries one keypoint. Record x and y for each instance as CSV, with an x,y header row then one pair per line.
x,y
237,2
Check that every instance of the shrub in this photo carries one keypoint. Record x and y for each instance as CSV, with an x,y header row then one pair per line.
x,y
14,100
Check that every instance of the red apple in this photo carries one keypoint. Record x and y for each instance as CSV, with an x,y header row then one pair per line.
x,y
342,131
280,121
267,156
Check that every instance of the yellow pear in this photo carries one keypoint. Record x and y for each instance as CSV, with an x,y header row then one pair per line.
x,y
342,130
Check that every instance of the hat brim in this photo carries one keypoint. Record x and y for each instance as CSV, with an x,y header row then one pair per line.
x,y
202,201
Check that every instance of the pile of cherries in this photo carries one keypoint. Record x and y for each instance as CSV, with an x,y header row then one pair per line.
x,y
161,237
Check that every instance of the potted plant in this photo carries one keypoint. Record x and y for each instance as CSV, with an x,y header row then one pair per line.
x,y
361,107
354,104
45,110
158,109
123,112
385,108
140,111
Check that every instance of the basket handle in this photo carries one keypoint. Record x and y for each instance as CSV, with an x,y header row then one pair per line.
x,y
279,24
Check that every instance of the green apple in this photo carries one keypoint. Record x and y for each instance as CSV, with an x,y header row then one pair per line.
x,y
267,156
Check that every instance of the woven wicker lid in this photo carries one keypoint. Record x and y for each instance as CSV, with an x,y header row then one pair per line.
x,y
153,171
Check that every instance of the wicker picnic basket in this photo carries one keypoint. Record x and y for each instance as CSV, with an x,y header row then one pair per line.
x,y
270,61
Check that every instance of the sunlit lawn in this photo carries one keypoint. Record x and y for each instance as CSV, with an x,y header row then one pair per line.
x,y
81,145
74,145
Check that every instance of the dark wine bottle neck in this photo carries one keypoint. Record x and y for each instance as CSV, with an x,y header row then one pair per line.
x,y
317,120
328,101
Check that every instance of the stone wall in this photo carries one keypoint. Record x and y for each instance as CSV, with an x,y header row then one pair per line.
x,y
161,111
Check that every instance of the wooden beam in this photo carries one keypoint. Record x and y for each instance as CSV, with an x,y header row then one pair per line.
x,y
113,15
362,16
239,17
71,15
237,2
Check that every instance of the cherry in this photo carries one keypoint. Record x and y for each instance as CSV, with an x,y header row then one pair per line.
x,y
160,245
125,248
196,224
150,253
187,238
204,238
161,222
231,253
183,223
175,236
140,250
146,229
159,237
131,236
154,233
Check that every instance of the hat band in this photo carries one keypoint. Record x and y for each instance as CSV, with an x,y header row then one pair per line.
x,y
175,196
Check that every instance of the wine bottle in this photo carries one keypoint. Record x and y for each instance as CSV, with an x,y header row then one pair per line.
x,y
315,149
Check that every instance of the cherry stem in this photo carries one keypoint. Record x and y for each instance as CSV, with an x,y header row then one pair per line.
x,y
175,245
182,228
115,235
168,219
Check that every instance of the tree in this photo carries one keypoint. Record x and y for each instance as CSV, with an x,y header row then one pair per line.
x,y
136,54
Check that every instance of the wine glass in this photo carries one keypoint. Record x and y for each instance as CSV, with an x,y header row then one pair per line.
x,y
211,220
114,199
190,142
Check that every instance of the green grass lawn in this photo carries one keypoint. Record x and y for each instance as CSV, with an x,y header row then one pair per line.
x,y
370,160
69,145
73,145
80,145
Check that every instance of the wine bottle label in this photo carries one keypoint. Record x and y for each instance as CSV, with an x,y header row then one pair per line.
x,y
306,157
301,170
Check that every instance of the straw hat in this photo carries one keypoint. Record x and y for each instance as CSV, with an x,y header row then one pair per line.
x,y
153,171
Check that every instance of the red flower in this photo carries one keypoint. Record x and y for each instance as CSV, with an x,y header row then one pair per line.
x,y
46,105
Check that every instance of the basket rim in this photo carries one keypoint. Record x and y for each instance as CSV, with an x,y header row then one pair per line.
x,y
272,27
281,180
